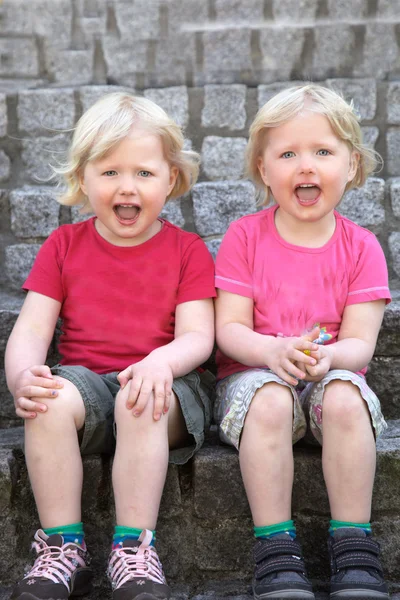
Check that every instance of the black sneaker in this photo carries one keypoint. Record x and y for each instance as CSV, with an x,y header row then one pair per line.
x,y
355,566
280,570
135,571
59,572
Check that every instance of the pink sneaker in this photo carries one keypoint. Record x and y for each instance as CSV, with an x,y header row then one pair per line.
x,y
135,571
59,572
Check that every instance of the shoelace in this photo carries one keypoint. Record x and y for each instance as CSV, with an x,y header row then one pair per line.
x,y
55,563
138,562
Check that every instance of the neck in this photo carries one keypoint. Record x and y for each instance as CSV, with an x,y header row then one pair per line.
x,y
307,234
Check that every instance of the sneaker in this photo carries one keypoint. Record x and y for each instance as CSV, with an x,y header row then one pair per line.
x,y
135,571
280,570
59,572
355,565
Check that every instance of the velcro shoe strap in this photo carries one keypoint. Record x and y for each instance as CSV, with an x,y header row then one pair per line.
x,y
282,563
266,548
357,560
355,544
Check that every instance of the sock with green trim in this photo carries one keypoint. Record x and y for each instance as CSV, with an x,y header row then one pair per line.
x,y
335,525
72,533
285,527
124,533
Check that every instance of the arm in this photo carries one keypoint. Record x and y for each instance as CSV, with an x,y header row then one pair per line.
x,y
356,341
27,375
193,344
238,340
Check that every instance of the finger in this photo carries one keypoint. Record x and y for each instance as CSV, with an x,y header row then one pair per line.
x,y
143,398
298,356
29,405
124,376
30,391
291,368
134,391
168,396
286,376
24,414
159,400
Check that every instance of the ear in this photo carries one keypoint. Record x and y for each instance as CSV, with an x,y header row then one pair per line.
x,y
82,182
354,162
261,169
173,176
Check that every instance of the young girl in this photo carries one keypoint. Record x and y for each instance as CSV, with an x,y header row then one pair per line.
x,y
135,296
288,276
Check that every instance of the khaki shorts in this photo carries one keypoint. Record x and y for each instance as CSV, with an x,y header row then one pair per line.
x,y
194,392
235,393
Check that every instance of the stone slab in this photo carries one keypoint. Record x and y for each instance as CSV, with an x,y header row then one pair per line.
x,y
224,106
223,157
38,153
364,206
48,109
3,115
174,100
363,93
34,212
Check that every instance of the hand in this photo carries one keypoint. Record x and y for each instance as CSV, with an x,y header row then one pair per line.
x,y
323,356
31,385
286,353
149,377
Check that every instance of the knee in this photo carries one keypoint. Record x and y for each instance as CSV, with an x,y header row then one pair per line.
x,y
343,404
123,415
68,404
271,408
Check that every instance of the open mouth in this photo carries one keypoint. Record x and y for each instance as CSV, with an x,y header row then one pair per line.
x,y
307,193
126,212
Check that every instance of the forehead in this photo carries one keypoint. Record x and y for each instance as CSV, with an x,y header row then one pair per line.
x,y
307,125
140,142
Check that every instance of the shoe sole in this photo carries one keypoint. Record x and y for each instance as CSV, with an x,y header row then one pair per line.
x,y
367,594
294,594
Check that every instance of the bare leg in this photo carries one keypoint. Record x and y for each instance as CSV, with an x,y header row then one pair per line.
x,y
348,455
53,457
266,455
141,460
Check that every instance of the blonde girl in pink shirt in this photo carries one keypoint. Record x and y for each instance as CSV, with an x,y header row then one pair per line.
x,y
301,297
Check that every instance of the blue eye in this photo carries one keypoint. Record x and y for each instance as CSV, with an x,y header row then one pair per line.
x,y
323,152
110,173
289,154
144,173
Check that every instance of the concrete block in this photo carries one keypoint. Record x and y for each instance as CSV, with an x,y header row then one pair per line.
x,y
394,190
138,19
89,94
34,212
227,50
174,100
8,469
53,20
216,205
364,206
123,65
387,478
361,91
213,246
77,216
389,337
174,57
69,67
280,50
393,150
8,316
342,9
172,211
19,261
3,115
370,136
225,546
268,91
286,10
38,153
17,18
171,501
389,9
383,376
5,166
394,247
50,109
7,408
334,50
223,157
237,11
224,106
18,58
393,103
381,52
185,15
92,17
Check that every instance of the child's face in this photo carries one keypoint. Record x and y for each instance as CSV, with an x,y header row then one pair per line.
x,y
306,152
128,187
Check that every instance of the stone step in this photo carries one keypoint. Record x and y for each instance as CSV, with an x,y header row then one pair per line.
x,y
204,533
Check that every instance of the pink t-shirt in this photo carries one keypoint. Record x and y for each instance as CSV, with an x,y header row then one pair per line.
x,y
295,287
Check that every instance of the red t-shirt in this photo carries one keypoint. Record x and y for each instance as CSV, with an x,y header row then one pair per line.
x,y
118,303
294,287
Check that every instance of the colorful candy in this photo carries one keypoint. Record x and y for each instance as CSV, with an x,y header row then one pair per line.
x,y
321,339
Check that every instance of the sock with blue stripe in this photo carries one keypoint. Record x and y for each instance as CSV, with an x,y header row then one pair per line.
x,y
72,533
285,527
124,533
335,525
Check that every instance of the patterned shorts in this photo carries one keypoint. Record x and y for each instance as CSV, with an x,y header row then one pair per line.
x,y
235,393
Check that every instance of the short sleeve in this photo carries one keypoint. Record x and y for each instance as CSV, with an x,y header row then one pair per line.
x,y
197,273
233,273
370,278
45,275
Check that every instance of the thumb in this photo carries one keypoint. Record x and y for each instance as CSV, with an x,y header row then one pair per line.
x,y
43,371
124,376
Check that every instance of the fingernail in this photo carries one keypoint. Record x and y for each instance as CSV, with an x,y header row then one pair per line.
x,y
54,393
43,408
136,414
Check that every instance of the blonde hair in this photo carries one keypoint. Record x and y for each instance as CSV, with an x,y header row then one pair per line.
x,y
285,106
105,124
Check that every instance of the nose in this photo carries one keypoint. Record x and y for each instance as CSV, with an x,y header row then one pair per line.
x,y
128,185
306,164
